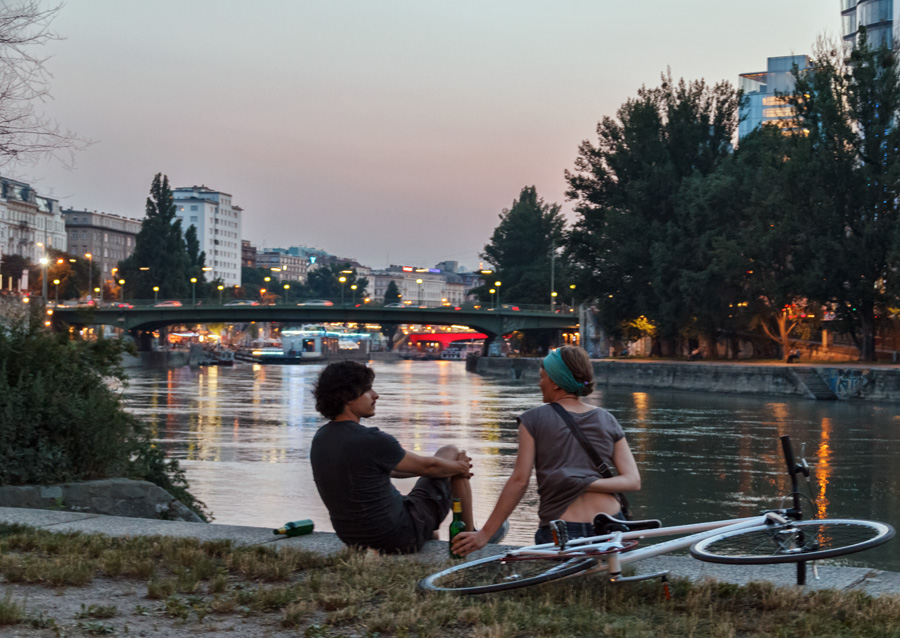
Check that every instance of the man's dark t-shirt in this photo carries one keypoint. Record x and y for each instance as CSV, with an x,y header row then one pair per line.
x,y
352,467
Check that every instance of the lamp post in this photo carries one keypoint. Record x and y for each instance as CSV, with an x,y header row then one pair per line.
x,y
44,261
193,291
497,284
553,301
287,292
343,280
572,288
221,288
122,289
99,294
353,288
56,283
419,282
155,293
493,303
90,259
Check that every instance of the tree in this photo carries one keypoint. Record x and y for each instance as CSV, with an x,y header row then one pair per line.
x,y
389,330
522,246
325,283
629,239
848,109
25,134
160,255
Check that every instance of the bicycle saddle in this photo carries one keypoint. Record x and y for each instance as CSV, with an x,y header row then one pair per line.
x,y
606,524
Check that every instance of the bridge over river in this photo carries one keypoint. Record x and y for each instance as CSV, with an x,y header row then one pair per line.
x,y
142,319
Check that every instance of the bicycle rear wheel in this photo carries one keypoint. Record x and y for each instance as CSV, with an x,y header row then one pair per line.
x,y
497,573
792,542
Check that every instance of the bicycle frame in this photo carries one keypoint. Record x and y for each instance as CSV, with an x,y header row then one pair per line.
x,y
615,560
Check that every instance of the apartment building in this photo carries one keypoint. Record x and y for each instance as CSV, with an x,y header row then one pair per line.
x,y
218,224
107,238
29,223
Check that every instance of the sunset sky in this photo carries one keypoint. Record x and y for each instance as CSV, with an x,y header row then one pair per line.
x,y
388,131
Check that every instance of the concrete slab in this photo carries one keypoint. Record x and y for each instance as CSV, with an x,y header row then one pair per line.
x,y
40,518
121,526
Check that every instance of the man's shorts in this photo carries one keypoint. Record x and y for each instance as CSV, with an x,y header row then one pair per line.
x,y
426,506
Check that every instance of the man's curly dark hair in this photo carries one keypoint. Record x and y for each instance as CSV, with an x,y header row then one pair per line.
x,y
340,383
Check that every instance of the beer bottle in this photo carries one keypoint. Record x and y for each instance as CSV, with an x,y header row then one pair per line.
x,y
456,525
295,528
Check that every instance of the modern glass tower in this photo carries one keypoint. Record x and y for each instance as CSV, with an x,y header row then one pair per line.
x,y
763,106
878,17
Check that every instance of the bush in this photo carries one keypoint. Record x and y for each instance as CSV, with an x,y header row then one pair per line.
x,y
62,419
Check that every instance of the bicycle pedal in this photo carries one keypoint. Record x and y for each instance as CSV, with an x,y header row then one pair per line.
x,y
560,533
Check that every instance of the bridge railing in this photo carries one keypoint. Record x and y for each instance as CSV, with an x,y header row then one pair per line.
x,y
216,302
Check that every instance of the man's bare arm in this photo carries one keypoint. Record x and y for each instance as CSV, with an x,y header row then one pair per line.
x,y
415,465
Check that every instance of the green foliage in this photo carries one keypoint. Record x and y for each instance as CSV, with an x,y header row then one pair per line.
x,y
160,250
62,420
389,330
324,283
521,247
630,245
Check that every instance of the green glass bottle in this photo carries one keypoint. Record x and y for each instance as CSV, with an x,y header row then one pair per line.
x,y
456,525
295,528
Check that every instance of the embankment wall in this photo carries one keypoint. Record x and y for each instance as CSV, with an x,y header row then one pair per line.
x,y
881,383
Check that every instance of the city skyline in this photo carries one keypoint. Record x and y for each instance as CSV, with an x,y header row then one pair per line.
x,y
390,132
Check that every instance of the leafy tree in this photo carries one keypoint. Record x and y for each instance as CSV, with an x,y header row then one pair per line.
x,y
521,249
62,420
324,282
389,330
629,242
848,109
160,255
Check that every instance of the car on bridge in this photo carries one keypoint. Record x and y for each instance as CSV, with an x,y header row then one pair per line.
x,y
168,304
316,302
242,302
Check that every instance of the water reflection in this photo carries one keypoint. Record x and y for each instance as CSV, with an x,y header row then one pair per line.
x,y
243,435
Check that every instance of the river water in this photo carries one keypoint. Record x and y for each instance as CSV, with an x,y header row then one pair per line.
x,y
243,435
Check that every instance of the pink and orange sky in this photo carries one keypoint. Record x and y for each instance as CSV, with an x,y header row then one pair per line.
x,y
389,131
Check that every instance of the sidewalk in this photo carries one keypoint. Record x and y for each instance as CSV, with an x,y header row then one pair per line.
x,y
872,581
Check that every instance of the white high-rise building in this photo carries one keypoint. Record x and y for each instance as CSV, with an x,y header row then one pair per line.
x,y
763,104
877,16
218,224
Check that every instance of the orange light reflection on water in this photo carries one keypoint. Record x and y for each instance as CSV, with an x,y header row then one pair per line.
x,y
823,469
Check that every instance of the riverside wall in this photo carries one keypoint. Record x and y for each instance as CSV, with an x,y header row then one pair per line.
x,y
851,382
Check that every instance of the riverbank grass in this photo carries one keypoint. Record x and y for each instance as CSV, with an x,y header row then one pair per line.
x,y
194,584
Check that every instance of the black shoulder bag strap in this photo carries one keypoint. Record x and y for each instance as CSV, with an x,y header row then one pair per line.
x,y
601,465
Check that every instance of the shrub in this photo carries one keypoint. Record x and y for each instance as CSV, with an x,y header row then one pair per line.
x,y
62,418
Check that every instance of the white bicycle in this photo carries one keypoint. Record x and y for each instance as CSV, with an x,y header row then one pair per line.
x,y
775,536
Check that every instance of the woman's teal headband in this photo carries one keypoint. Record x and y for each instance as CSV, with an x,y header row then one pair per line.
x,y
560,374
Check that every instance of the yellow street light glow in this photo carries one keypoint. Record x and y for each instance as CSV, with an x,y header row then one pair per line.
x,y
497,283
193,280
287,286
206,268
56,281
553,294
275,269
342,279
492,291
145,268
221,287
121,282
155,288
267,279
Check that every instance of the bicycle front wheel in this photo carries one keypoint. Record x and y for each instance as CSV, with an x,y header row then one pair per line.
x,y
497,573
792,542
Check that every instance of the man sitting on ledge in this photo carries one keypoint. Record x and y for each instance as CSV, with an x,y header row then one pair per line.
x,y
353,466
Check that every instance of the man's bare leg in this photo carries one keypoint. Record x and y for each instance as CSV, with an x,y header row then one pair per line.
x,y
460,487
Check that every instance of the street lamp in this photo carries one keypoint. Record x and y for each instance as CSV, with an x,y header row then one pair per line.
x,y
56,283
553,301
90,259
122,289
193,291
498,284
221,288
287,291
155,293
99,294
419,282
44,261
572,287
343,280
493,303
353,288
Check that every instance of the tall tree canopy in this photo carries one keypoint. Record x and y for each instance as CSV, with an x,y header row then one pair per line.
x,y
160,255
629,244
848,108
522,246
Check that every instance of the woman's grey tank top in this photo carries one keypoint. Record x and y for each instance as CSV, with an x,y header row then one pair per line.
x,y
563,468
